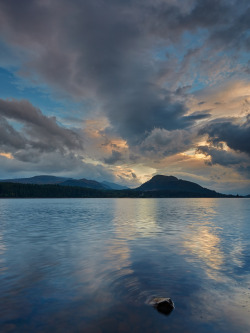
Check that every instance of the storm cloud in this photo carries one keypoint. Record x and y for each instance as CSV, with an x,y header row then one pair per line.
x,y
114,157
33,133
221,156
161,141
235,135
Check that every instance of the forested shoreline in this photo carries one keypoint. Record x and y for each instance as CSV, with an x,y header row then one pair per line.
x,y
17,190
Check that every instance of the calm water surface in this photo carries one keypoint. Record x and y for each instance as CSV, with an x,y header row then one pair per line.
x,y
90,265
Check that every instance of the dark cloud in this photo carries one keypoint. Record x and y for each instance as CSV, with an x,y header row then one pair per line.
x,y
164,142
133,175
240,162
235,35
170,19
199,115
235,135
244,170
134,158
221,156
9,137
114,157
33,133
143,111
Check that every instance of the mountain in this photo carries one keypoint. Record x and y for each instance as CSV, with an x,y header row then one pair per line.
x,y
63,181
43,179
173,184
157,183
46,180
86,183
114,186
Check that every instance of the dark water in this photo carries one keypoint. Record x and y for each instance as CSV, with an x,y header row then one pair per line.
x,y
89,265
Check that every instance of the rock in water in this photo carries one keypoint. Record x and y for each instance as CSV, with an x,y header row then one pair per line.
x,y
163,305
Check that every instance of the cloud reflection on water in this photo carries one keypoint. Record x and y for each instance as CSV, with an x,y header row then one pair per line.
x,y
131,221
205,246
136,219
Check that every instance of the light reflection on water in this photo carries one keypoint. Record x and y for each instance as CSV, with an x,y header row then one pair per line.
x,y
90,265
204,244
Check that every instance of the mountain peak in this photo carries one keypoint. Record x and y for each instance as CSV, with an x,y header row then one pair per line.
x,y
163,178
158,182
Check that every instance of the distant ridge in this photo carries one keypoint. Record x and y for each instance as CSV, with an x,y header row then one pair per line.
x,y
42,179
84,183
114,186
64,181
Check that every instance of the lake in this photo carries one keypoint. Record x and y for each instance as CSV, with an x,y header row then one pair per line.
x,y
91,265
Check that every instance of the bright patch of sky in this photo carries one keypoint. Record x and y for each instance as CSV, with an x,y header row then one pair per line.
x,y
12,86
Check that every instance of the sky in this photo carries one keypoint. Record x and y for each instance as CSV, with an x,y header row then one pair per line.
x,y
122,90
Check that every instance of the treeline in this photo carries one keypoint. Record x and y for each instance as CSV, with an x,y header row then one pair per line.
x,y
17,190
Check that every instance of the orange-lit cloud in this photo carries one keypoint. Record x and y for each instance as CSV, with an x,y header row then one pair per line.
x,y
7,155
231,99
